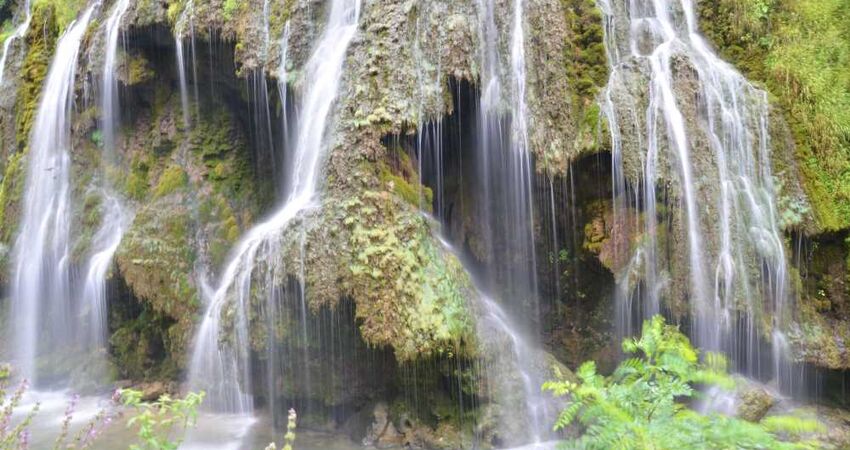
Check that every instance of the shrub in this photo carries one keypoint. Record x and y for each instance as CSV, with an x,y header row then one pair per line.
x,y
641,405
156,421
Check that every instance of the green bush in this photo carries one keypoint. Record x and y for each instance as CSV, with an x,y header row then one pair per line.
x,y
155,422
641,405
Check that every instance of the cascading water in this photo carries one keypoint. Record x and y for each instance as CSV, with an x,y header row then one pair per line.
x,y
737,277
109,108
184,21
504,163
41,300
222,369
504,176
19,32
105,242
115,217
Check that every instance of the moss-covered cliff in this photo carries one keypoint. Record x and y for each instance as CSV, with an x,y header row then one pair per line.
x,y
799,50
367,258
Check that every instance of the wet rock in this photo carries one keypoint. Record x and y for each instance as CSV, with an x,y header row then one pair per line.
x,y
382,433
755,402
152,391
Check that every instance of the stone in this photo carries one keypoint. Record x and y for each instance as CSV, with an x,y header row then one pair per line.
x,y
754,404
382,433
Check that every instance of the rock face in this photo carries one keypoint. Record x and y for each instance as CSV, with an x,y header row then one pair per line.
x,y
806,98
375,303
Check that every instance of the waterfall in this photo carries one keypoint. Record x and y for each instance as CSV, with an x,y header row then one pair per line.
x,y
115,217
737,272
105,242
42,305
282,80
504,163
179,28
109,109
19,32
220,366
504,178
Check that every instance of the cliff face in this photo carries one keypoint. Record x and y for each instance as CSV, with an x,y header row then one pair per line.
x,y
796,51
201,155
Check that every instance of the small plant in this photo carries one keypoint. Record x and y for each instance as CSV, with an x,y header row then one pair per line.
x,y
88,434
641,405
18,437
157,420
289,437
13,436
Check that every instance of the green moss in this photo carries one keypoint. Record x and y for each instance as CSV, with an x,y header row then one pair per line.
x,y
137,183
6,30
800,50
221,221
410,295
230,7
66,10
90,221
588,68
138,70
156,260
11,190
172,179
403,181
41,42
136,345
278,16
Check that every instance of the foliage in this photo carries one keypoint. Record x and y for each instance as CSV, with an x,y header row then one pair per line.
x,y
156,421
65,10
289,437
800,50
640,406
12,436
229,8
172,179
18,437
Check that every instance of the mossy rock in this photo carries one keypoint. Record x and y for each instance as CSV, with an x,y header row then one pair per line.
x,y
754,404
156,259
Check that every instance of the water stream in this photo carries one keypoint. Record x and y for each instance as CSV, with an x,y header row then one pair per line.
x,y
19,32
115,216
505,178
42,304
185,20
223,369
720,159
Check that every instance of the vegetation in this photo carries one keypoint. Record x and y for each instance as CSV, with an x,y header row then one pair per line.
x,y
66,10
156,421
409,295
800,50
289,437
12,436
642,404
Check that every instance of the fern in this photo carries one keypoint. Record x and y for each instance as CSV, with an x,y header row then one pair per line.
x,y
641,405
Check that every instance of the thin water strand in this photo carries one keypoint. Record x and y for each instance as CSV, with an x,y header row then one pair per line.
x,y
223,369
19,32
